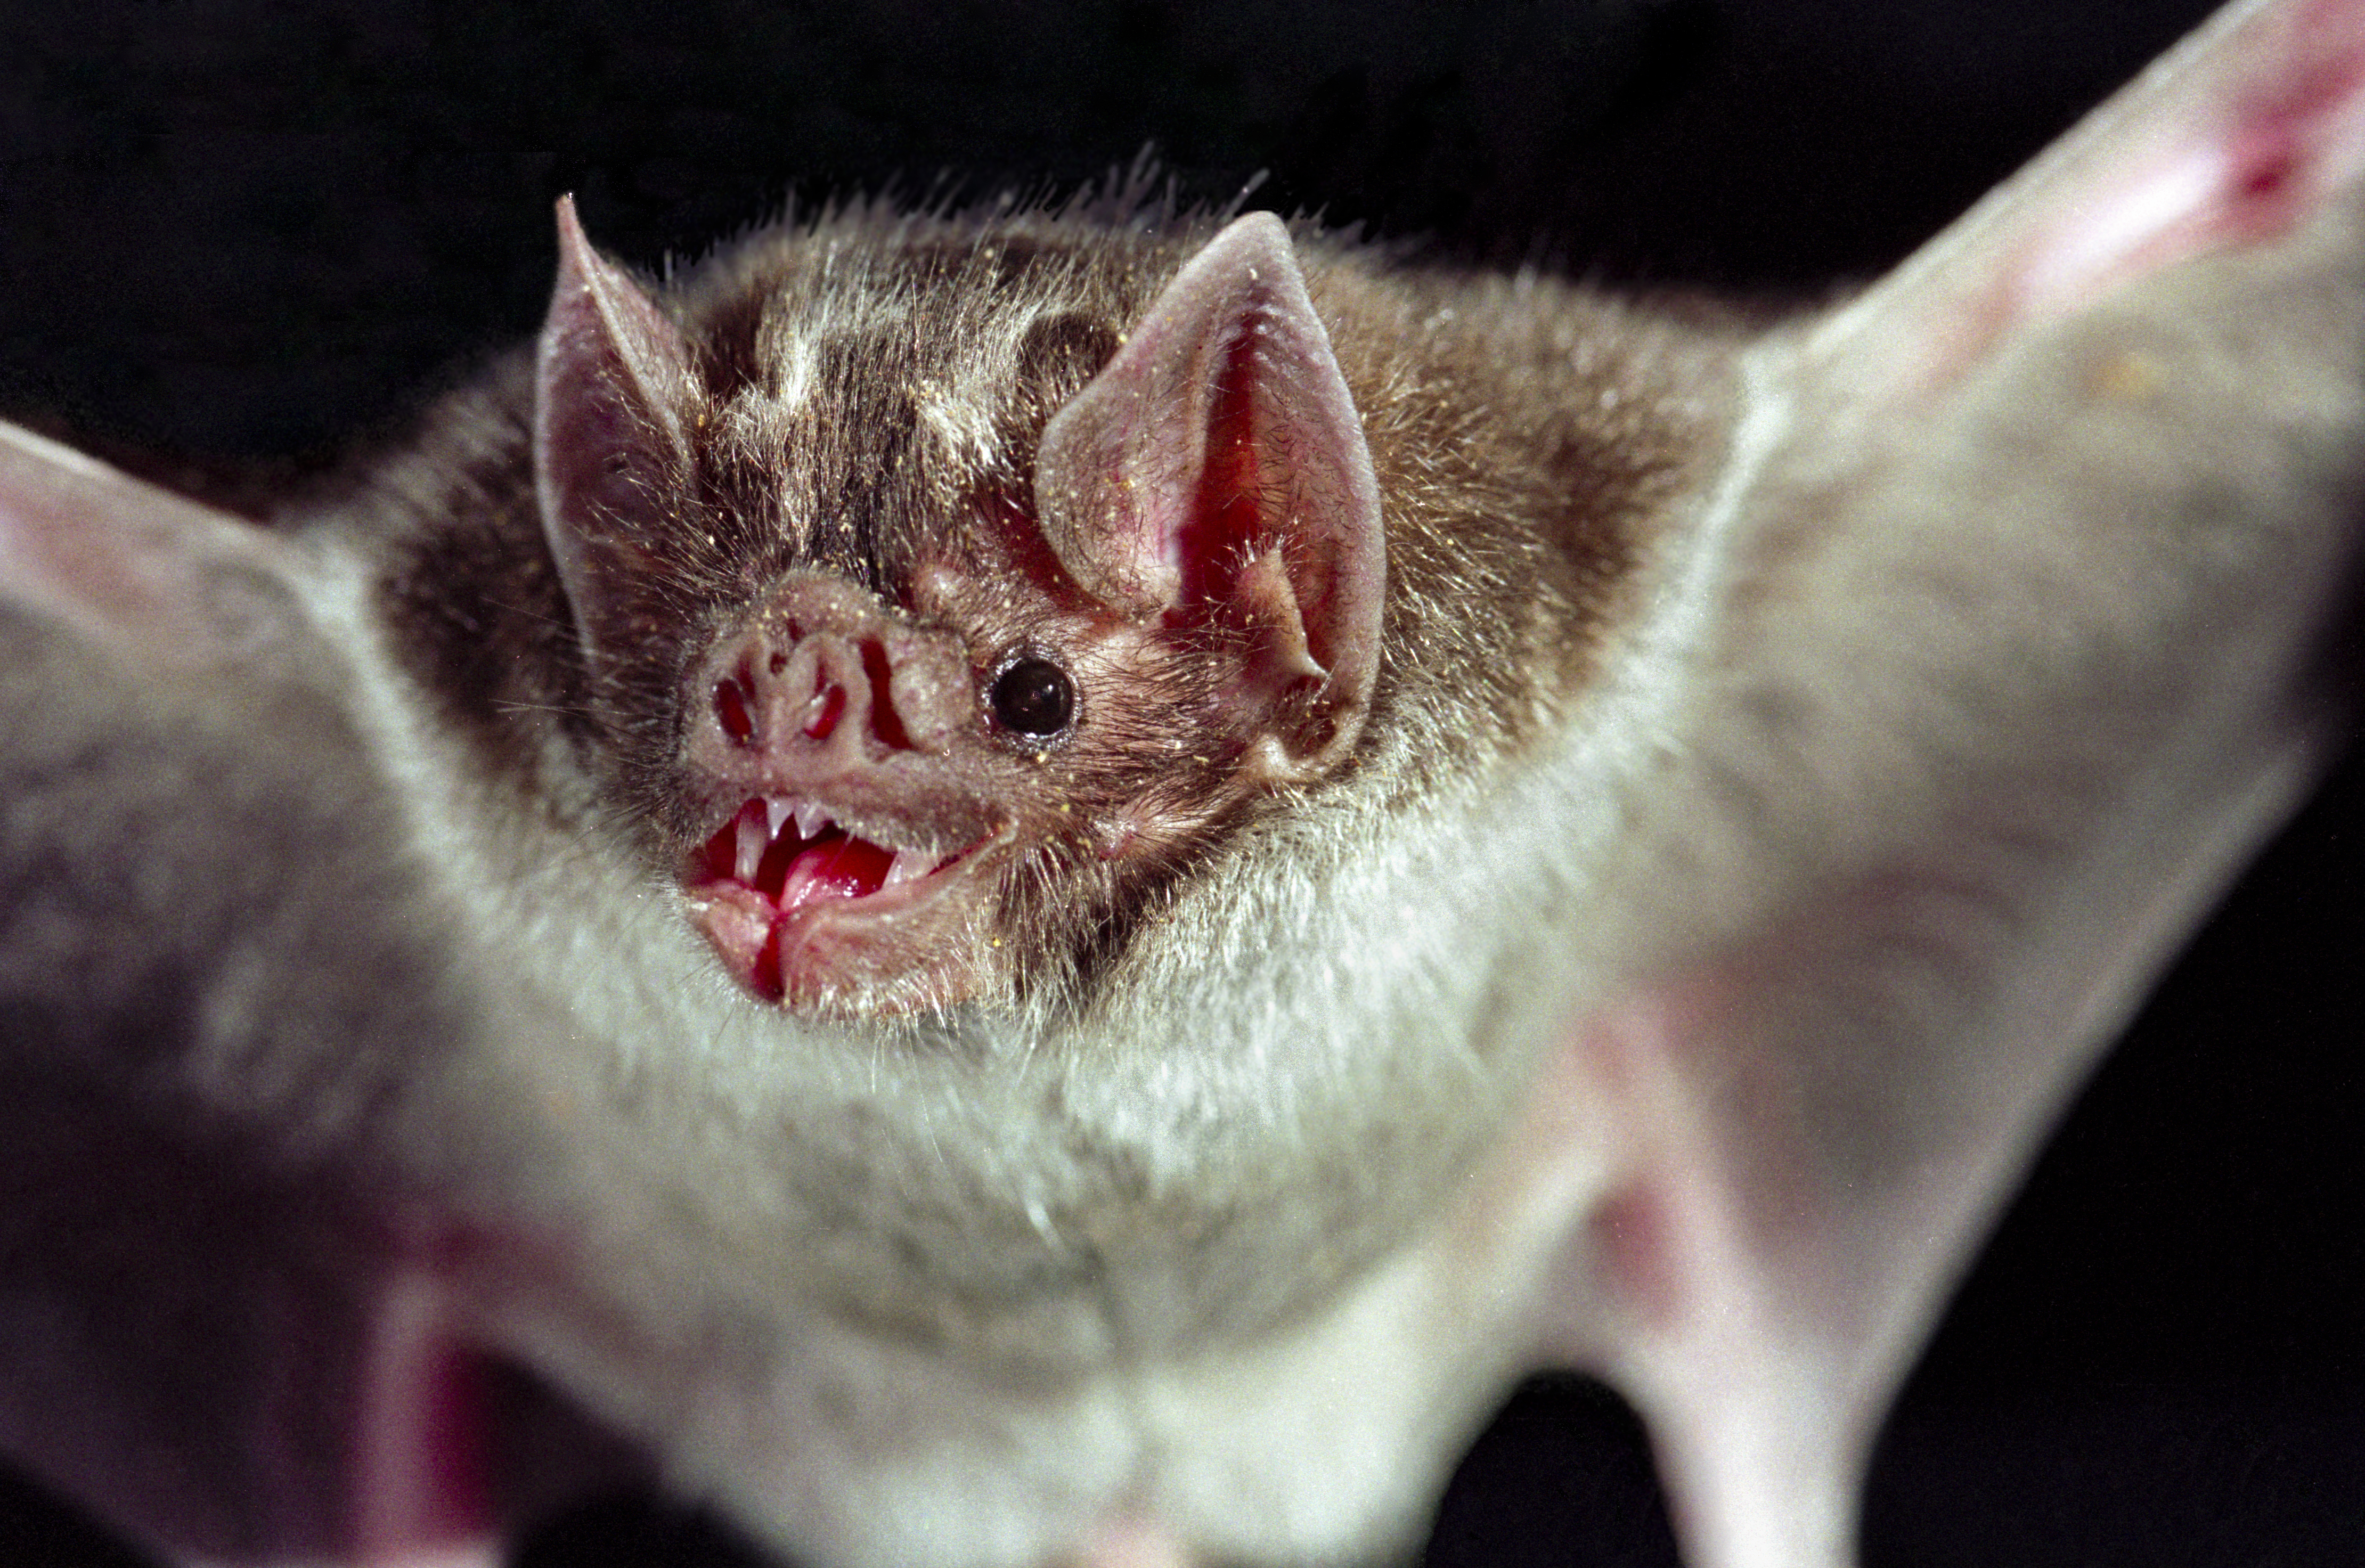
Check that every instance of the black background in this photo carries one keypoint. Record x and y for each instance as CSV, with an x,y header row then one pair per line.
x,y
235,234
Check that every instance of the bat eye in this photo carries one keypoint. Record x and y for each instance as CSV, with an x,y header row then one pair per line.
x,y
1032,698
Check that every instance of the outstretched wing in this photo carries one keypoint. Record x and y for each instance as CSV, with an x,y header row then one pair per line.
x,y
223,985
2001,646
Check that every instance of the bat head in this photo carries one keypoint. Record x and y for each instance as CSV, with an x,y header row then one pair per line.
x,y
937,629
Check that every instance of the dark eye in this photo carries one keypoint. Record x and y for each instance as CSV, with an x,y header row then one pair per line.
x,y
1033,697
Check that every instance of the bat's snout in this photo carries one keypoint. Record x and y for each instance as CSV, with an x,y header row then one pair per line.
x,y
824,673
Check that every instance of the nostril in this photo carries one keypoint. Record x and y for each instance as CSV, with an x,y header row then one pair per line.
x,y
828,706
884,719
730,710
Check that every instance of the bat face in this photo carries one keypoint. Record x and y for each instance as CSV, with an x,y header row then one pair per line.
x,y
1032,613
939,694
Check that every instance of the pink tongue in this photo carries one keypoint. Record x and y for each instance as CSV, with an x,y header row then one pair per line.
x,y
835,868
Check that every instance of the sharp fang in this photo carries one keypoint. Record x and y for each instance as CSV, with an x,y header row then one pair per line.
x,y
776,811
810,819
752,840
909,865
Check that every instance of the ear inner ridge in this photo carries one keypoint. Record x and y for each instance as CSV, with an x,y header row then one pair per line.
x,y
608,448
1215,473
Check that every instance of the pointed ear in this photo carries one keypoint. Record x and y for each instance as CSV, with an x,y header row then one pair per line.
x,y
611,455
1215,471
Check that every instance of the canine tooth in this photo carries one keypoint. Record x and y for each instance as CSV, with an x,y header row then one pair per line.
x,y
909,865
752,840
776,810
810,819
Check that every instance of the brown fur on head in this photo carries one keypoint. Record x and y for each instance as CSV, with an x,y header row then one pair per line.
x,y
864,397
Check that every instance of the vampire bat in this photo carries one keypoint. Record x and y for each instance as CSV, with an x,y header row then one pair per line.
x,y
1050,885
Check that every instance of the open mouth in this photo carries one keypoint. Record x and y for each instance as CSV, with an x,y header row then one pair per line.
x,y
781,868
793,853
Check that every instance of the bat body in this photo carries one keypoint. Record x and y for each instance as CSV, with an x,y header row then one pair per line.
x,y
1050,887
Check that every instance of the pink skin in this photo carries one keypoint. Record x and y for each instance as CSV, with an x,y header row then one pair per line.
x,y
424,1496
838,735
1131,1543
789,914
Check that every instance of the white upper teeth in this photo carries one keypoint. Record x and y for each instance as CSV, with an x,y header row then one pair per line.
x,y
765,820
748,853
810,817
